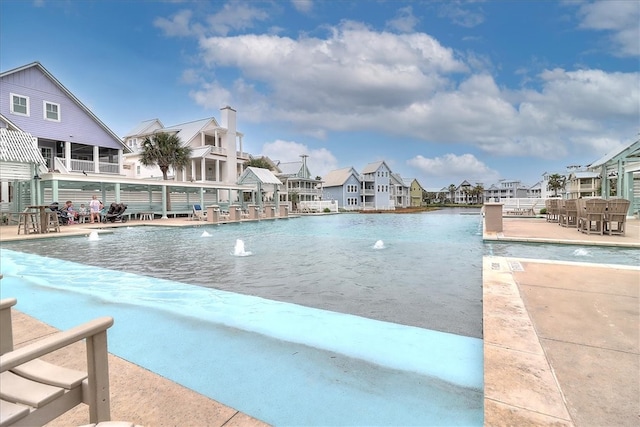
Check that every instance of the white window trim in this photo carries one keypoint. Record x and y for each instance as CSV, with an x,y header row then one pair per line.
x,y
11,95
44,111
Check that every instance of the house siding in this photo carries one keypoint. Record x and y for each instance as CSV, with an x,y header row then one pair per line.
x,y
75,124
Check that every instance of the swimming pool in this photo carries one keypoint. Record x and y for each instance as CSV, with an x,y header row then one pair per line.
x,y
257,354
426,274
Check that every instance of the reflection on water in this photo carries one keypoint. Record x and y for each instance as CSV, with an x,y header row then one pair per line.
x,y
428,275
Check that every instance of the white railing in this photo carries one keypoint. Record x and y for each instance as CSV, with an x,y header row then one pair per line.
x,y
318,206
113,168
81,165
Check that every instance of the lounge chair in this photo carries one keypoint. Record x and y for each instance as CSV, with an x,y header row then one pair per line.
x,y
35,392
617,210
592,220
199,214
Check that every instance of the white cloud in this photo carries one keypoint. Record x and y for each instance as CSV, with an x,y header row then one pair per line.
x,y
178,26
410,86
234,16
465,16
303,6
619,18
319,162
404,22
455,167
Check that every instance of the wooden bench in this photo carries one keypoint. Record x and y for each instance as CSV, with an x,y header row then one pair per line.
x,y
35,392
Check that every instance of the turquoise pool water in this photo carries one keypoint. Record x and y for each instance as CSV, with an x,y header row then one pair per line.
x,y
321,325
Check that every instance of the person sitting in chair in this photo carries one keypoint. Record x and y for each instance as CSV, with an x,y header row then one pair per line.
x,y
68,209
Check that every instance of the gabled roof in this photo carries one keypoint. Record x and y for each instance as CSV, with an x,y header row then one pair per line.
x,y
253,175
290,168
338,177
584,174
398,179
631,150
373,167
417,182
187,131
71,96
145,127
19,147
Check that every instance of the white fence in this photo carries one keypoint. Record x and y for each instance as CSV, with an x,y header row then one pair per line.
x,y
318,206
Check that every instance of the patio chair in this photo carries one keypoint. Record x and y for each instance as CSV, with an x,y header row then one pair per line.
x,y
199,214
35,392
593,216
617,210
552,210
561,210
568,216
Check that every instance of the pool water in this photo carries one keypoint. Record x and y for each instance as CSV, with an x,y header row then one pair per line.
x,y
427,273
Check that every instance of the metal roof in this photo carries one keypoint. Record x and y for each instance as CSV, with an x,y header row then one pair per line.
x,y
264,176
19,147
630,151
338,177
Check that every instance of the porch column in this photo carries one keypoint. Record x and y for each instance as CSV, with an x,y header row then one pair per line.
x,y
218,170
203,169
67,155
201,194
96,159
165,188
202,138
116,190
193,170
54,191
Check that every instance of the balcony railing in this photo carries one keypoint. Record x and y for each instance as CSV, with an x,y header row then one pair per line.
x,y
88,166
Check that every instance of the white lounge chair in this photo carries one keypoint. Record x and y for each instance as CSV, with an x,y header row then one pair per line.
x,y
199,214
35,392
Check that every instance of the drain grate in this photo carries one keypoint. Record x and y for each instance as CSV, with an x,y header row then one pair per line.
x,y
515,266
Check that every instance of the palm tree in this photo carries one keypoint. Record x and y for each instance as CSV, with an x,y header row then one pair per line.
x,y
258,162
452,191
165,151
556,182
478,192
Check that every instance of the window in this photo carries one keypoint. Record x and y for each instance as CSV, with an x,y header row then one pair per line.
x,y
19,104
51,111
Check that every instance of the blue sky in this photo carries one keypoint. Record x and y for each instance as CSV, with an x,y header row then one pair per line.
x,y
441,90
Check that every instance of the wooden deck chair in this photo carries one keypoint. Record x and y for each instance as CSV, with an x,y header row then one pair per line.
x,y
199,214
616,214
568,215
594,216
35,392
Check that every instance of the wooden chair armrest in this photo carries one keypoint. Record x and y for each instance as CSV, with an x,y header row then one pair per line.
x,y
54,342
7,303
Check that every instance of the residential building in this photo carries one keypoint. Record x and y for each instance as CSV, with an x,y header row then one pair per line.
x,y
297,180
82,156
375,186
417,194
70,137
344,186
398,191
506,189
583,184
535,191
217,155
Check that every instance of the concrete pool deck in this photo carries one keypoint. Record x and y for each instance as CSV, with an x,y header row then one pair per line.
x,y
561,341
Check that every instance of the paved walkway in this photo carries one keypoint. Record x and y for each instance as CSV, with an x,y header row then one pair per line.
x,y
562,340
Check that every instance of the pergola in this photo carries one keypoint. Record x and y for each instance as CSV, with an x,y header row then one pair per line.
x,y
623,166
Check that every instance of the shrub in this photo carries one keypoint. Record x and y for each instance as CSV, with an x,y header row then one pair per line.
x,y
543,211
326,210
